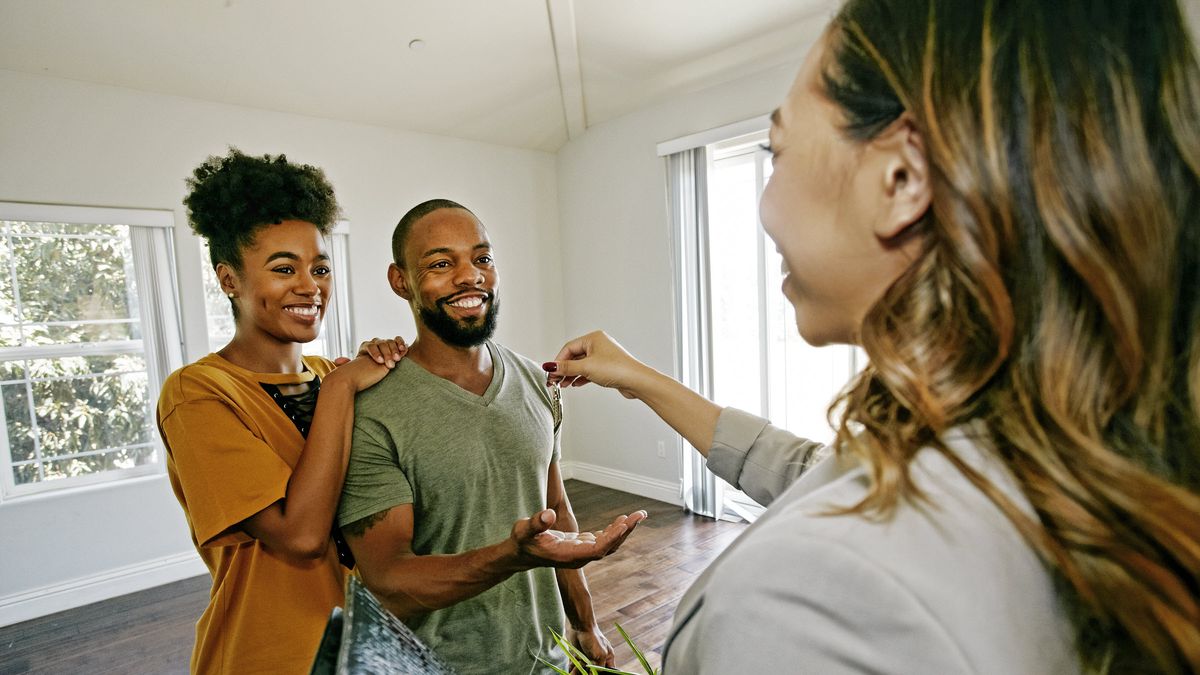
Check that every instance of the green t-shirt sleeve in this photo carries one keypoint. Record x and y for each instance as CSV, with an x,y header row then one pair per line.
x,y
374,480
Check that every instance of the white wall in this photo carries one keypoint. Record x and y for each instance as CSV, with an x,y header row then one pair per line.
x,y
619,270
70,142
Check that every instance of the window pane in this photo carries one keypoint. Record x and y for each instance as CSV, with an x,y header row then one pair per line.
x,y
126,458
10,335
24,474
16,416
733,284
12,371
71,366
81,284
91,413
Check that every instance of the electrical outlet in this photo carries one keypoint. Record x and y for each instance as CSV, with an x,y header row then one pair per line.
x,y
662,449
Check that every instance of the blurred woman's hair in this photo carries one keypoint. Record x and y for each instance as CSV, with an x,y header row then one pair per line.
x,y
1056,304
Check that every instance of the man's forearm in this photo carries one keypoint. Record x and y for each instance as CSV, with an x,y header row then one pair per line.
x,y
572,585
577,599
412,585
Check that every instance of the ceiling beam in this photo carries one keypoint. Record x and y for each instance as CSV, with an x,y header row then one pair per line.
x,y
566,55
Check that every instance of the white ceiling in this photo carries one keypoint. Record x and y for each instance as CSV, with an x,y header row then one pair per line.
x,y
489,71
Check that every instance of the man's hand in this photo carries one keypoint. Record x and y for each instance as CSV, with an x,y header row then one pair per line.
x,y
539,546
594,645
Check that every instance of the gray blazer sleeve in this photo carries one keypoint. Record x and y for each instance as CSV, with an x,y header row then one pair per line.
x,y
758,458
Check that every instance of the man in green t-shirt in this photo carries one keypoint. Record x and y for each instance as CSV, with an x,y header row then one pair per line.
x,y
453,483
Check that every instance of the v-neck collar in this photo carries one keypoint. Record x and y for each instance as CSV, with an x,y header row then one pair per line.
x,y
489,394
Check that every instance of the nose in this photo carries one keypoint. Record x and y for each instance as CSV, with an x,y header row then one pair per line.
x,y
469,275
306,285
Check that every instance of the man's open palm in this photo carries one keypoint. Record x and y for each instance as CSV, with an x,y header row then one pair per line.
x,y
544,547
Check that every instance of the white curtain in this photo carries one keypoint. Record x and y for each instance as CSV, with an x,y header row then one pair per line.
x,y
336,329
688,209
154,274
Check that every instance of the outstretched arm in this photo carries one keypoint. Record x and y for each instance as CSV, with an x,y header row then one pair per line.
x,y
598,358
409,585
749,453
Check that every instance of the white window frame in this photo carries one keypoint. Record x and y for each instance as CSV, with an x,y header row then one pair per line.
x,y
158,311
690,171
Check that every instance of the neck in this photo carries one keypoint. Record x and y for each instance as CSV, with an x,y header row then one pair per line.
x,y
263,355
433,354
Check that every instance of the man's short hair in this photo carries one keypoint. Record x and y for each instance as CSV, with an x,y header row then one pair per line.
x,y
400,234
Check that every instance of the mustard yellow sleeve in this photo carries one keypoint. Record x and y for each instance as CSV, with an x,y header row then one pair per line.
x,y
226,472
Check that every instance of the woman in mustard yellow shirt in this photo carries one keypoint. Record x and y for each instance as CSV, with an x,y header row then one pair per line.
x,y
255,456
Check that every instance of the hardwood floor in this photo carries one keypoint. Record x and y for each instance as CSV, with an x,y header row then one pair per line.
x,y
147,632
639,585
152,631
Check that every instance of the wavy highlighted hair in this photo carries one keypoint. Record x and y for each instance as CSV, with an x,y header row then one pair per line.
x,y
1057,300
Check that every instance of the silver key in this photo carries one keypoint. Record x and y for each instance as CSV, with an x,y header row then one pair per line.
x,y
556,403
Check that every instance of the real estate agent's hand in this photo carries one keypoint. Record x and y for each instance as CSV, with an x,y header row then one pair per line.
x,y
598,358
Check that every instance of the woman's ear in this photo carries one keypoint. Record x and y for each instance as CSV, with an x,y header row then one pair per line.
x,y
228,278
906,178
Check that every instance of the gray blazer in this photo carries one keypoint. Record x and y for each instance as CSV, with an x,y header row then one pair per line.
x,y
947,586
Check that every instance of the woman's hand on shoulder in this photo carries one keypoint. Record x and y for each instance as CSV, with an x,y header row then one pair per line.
x,y
374,359
384,351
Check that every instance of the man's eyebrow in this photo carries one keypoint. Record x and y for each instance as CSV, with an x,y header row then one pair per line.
x,y
288,255
444,249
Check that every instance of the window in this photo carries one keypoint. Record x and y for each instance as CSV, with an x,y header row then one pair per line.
x,y
335,338
760,362
738,337
88,331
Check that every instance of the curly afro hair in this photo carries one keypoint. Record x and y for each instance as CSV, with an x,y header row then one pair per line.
x,y
231,198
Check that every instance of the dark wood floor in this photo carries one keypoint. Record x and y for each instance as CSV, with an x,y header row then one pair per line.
x,y
152,631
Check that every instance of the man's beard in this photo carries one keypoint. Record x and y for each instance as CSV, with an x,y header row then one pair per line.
x,y
457,332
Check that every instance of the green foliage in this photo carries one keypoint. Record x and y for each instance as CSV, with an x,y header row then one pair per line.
x,y
582,664
54,277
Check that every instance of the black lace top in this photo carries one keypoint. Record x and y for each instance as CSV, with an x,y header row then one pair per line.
x,y
298,407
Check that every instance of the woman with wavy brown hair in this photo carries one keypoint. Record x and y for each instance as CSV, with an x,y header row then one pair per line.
x,y
1000,202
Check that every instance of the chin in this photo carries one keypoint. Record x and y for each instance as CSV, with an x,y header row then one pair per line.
x,y
819,334
303,338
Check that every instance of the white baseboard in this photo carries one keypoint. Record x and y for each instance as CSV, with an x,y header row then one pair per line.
x,y
45,600
662,490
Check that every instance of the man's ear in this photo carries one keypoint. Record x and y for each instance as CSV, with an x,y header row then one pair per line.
x,y
906,184
229,280
399,282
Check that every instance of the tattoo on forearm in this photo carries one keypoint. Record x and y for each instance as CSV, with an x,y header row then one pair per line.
x,y
359,527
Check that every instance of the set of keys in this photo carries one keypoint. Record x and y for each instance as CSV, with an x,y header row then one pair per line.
x,y
555,403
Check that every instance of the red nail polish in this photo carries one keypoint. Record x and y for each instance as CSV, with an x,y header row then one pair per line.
x,y
550,366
